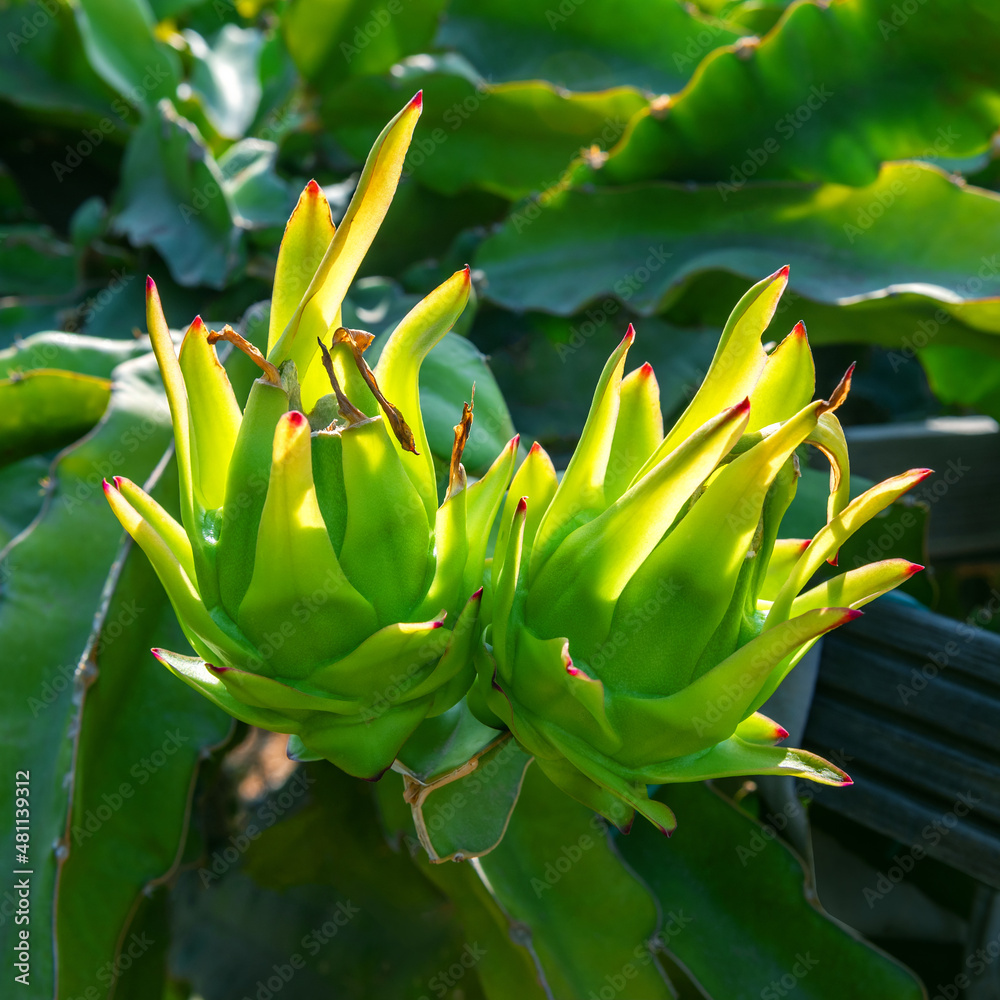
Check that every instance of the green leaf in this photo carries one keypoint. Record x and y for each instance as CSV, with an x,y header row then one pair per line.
x,y
462,780
258,194
640,243
506,965
829,94
119,40
21,493
963,376
46,409
719,879
445,742
44,69
652,46
56,572
34,262
142,735
467,817
330,41
174,197
556,872
509,139
224,74
315,878
446,380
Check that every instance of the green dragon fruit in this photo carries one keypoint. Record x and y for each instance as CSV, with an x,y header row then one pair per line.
x,y
644,607
326,593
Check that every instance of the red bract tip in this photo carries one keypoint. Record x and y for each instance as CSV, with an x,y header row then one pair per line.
x,y
850,370
158,653
217,670
629,335
646,370
780,733
150,284
848,780
514,442
437,623
522,505
477,596
313,189
921,474
915,568
534,449
782,272
295,418
805,544
743,406
118,483
572,671
417,101
799,330
107,486
851,613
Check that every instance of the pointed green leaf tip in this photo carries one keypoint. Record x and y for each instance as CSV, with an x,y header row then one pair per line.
x,y
398,370
323,297
659,607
